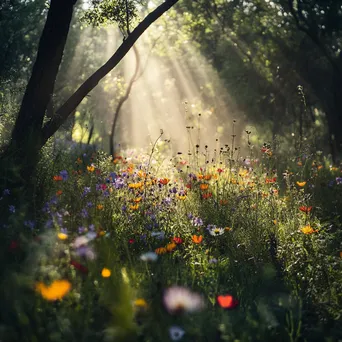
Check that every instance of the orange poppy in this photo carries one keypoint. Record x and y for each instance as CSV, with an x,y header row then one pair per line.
x,y
227,302
57,290
197,239
204,186
164,181
57,178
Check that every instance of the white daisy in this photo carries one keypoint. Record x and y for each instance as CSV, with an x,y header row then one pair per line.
x,y
149,256
179,299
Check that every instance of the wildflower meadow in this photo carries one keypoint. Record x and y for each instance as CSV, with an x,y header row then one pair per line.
x,y
199,246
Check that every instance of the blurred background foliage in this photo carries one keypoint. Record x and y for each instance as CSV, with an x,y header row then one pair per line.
x,y
274,66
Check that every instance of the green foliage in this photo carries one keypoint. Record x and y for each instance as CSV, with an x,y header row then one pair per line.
x,y
120,12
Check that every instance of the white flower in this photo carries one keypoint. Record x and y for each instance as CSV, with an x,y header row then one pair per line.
x,y
159,235
176,333
216,231
179,299
149,256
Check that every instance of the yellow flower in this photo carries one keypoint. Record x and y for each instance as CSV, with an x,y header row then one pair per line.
x,y
135,185
62,236
57,290
106,273
134,207
308,230
91,168
301,184
140,303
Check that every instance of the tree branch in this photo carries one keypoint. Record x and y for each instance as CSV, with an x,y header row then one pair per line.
x,y
75,99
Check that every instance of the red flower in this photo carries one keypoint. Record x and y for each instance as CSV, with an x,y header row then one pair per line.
x,y
79,267
271,180
227,301
14,245
131,241
305,209
177,240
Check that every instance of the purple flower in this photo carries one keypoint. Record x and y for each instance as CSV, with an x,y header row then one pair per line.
x,y
81,229
6,192
11,208
119,183
90,204
49,224
30,224
84,213
197,222
64,174
86,252
86,191
338,180
167,200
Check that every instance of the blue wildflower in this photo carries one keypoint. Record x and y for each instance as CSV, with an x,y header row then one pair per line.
x,y
64,174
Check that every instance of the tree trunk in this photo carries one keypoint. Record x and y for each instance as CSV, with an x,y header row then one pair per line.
x,y
23,150
122,100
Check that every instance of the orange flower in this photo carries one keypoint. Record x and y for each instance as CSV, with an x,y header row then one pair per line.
x,y
57,178
164,181
171,246
99,207
305,209
137,200
160,250
207,195
59,192
197,239
301,184
204,186
223,202
207,177
271,180
106,273
57,290
134,207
